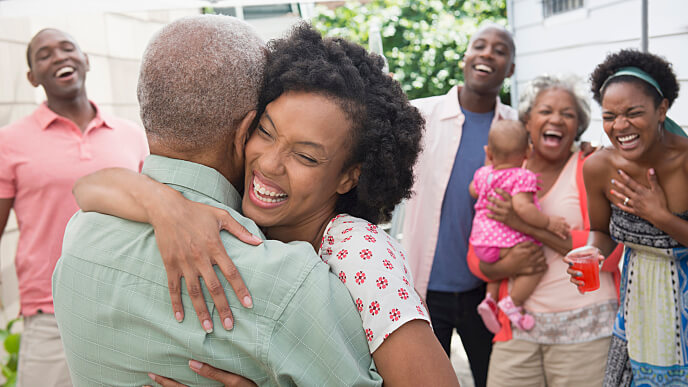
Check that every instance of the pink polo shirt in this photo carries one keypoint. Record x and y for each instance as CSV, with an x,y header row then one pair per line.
x,y
41,156
443,127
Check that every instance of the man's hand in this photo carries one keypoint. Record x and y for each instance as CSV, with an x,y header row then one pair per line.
x,y
224,377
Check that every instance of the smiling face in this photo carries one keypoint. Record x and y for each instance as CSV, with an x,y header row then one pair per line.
x,y
488,60
631,119
294,165
552,123
57,64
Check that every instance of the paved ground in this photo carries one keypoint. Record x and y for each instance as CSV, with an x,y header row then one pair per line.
x,y
460,362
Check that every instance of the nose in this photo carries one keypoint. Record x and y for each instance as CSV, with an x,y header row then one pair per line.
x,y
556,117
60,55
620,122
271,162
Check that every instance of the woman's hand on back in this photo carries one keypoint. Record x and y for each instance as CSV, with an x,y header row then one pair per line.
x,y
502,210
188,237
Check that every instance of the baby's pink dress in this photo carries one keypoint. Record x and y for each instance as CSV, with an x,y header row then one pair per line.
x,y
486,232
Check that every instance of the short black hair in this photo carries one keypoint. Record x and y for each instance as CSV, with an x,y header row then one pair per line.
x,y
386,128
657,67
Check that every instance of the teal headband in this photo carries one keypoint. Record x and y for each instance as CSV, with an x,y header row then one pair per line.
x,y
669,124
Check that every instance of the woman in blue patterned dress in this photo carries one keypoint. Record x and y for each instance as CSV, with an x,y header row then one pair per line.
x,y
636,192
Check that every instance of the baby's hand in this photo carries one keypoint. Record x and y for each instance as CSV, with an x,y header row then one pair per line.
x,y
558,226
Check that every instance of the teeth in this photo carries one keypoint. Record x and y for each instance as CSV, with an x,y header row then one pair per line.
x,y
64,70
259,189
552,133
483,67
630,137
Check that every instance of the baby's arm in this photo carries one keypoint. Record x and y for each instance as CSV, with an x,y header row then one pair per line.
x,y
528,211
472,191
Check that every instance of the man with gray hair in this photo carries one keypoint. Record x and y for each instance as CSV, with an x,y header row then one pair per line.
x,y
198,93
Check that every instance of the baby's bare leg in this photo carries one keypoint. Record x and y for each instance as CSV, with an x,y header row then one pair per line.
x,y
523,285
493,289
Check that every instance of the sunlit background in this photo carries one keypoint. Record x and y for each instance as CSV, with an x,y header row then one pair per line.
x,y
423,41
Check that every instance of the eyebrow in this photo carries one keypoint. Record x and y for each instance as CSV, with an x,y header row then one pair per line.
x,y
306,143
61,42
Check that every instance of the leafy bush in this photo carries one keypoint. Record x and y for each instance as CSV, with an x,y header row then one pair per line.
x,y
11,343
424,41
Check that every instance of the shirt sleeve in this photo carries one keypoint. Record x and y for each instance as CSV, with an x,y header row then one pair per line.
x,y
318,340
524,180
8,183
373,267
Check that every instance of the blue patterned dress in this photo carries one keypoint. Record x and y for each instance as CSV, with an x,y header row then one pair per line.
x,y
652,322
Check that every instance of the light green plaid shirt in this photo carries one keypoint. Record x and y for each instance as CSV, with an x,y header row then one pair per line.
x,y
114,313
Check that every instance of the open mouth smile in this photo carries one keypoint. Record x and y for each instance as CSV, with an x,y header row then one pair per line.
x,y
64,72
482,68
268,195
552,137
628,141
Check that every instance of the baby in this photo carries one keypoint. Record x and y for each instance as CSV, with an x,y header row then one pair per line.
x,y
507,149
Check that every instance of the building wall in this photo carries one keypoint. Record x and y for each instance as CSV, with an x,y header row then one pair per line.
x,y
576,41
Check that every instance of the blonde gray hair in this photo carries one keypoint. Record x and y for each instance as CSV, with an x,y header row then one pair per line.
x,y
568,82
199,77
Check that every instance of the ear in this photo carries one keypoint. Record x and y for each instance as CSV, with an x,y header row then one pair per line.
x,y
662,109
511,70
488,154
243,130
88,65
349,179
32,79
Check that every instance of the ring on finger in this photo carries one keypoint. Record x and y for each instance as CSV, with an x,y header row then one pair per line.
x,y
625,203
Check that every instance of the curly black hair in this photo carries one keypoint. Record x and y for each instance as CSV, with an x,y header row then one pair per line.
x,y
658,68
386,129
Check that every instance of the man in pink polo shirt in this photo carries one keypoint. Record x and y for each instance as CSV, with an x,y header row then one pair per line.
x,y
41,156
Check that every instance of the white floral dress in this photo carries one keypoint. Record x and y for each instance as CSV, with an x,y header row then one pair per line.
x,y
373,267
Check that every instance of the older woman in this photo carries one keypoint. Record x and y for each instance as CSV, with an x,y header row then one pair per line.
x,y
572,331
637,196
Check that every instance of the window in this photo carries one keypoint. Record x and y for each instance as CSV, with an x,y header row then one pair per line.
x,y
554,7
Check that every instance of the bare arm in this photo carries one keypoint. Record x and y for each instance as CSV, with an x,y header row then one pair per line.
x,y
472,191
5,207
525,208
523,259
502,211
412,356
649,204
595,175
187,234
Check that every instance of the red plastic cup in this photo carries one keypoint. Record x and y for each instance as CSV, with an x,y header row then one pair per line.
x,y
589,266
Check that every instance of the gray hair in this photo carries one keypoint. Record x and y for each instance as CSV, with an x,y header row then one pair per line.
x,y
570,83
200,75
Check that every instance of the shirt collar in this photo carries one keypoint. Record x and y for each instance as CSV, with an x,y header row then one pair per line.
x,y
46,117
451,108
204,180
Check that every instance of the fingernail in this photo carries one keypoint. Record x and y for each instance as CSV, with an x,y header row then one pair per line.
x,y
248,302
152,376
611,191
579,274
256,239
178,316
652,171
195,365
570,263
228,324
208,326
613,181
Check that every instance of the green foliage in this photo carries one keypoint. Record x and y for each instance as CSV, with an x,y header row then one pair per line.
x,y
11,343
424,41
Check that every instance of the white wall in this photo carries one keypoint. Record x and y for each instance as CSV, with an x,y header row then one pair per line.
x,y
576,41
